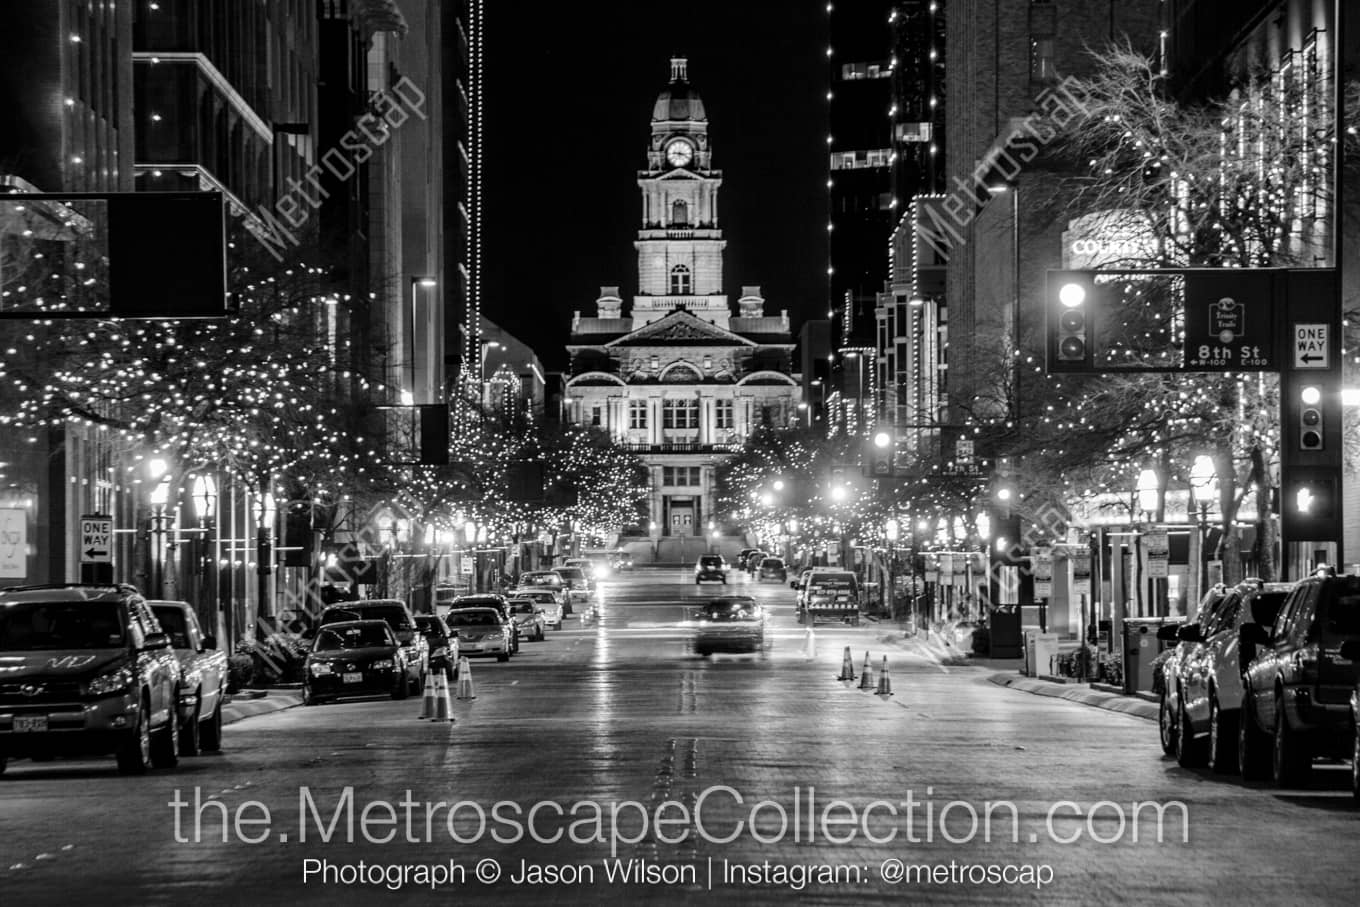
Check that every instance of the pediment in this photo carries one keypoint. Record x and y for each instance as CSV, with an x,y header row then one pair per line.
x,y
680,327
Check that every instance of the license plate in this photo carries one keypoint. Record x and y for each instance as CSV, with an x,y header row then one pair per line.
x,y
354,678
28,723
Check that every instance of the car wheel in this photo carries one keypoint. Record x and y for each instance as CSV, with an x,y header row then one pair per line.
x,y
134,754
1166,725
503,657
4,763
1292,760
210,736
165,742
1355,764
696,582
308,697
189,741
1253,752
1189,748
1222,740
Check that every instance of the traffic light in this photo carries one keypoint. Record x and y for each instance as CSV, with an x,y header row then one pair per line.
x,y
1310,418
1070,320
878,455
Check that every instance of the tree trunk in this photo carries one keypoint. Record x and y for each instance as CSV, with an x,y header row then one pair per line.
x,y
1264,549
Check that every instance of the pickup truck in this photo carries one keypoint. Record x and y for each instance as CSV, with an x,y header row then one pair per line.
x,y
203,687
830,595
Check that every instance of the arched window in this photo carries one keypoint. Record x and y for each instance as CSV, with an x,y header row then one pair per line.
x,y
680,281
679,213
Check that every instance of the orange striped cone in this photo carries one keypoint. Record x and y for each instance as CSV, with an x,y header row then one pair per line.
x,y
443,708
809,644
847,666
427,707
465,679
866,679
884,684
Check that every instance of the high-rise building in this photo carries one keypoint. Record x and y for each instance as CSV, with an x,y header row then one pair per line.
x,y
463,83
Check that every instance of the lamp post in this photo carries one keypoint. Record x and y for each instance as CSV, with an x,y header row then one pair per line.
x,y
891,532
204,496
1148,491
982,522
160,496
1204,491
265,513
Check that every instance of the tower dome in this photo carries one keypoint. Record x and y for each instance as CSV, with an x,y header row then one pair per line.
x,y
678,100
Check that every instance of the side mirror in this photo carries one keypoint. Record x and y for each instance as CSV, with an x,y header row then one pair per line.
x,y
1190,633
156,641
1350,650
209,641
1169,632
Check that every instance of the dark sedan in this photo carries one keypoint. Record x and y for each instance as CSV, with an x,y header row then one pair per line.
x,y
733,624
354,658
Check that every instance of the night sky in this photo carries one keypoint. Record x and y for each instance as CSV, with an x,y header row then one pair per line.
x,y
570,89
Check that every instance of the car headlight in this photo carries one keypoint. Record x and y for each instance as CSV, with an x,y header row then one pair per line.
x,y
383,664
111,683
320,669
494,636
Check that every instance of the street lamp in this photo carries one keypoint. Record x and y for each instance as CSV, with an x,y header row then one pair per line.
x,y
160,496
1204,491
203,493
1147,491
265,513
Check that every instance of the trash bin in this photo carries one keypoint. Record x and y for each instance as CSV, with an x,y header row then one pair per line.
x,y
1141,647
1004,637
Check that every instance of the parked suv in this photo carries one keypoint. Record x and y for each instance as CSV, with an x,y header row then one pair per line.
x,y
415,649
710,567
88,671
1296,703
1210,676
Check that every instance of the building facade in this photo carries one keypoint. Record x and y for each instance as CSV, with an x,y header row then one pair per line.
x,y
681,379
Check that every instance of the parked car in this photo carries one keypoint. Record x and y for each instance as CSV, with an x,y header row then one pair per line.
x,y
543,599
1210,676
731,624
577,582
443,647
621,560
354,658
203,677
528,618
742,555
752,562
1298,682
415,651
481,631
88,671
488,600
1351,650
710,567
547,579
1167,683
772,568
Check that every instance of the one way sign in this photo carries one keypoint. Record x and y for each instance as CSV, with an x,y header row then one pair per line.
x,y
1311,349
96,539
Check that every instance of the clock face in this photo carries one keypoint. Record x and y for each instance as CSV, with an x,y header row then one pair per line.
x,y
679,153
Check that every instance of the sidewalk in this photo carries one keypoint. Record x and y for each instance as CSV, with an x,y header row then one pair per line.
x,y
1084,693
249,703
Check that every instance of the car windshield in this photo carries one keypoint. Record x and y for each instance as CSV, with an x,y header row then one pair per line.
x,y
431,627
772,562
534,597
473,619
29,626
395,615
731,611
522,608
175,624
570,573
711,560
352,637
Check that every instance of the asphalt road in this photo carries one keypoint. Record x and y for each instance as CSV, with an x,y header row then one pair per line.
x,y
762,778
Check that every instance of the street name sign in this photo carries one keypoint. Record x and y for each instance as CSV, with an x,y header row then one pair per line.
x,y
96,538
1311,349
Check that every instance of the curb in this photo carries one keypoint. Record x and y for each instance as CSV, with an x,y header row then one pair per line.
x,y
1127,705
249,708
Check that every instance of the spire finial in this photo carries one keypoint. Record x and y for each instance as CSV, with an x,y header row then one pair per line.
x,y
679,66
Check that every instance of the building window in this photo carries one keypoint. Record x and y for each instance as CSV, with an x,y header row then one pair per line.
x,y
680,414
722,414
680,281
597,415
681,476
637,414
679,213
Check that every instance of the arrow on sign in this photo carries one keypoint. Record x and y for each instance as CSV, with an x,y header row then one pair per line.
x,y
93,552
1306,357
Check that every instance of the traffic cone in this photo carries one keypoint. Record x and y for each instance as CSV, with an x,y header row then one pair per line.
x,y
884,684
427,707
809,644
847,666
866,679
465,679
443,708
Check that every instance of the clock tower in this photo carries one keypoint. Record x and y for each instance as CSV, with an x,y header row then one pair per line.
x,y
679,244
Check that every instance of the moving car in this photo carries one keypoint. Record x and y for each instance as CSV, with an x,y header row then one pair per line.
x,y
710,567
1210,677
1298,681
481,631
772,568
547,579
830,595
203,677
443,647
415,651
354,658
621,560
528,618
732,624
88,672
577,583
488,600
546,601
